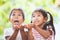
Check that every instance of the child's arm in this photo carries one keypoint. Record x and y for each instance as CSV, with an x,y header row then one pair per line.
x,y
13,37
30,36
44,33
23,34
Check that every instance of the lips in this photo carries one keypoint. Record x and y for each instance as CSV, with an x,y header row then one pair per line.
x,y
36,21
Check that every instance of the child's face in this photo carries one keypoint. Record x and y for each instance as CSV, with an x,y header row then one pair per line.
x,y
16,17
37,18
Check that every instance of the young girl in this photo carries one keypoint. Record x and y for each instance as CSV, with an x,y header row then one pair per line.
x,y
16,32
40,27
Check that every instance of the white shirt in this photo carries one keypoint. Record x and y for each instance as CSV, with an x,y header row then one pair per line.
x,y
10,31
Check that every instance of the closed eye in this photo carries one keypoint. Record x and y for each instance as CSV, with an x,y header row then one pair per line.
x,y
38,15
33,16
19,14
13,14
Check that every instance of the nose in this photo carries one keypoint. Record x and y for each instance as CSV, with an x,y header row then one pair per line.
x,y
16,16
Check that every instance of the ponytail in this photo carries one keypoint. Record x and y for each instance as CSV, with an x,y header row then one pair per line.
x,y
51,19
50,22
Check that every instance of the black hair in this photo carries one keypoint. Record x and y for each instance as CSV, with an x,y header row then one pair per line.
x,y
50,22
16,9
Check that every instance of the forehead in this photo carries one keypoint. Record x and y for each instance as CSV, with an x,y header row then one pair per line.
x,y
16,11
37,13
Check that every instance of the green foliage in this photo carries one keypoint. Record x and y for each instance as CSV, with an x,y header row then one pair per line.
x,y
1,30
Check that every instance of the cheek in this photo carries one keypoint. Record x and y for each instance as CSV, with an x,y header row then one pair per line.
x,y
11,20
21,19
41,20
12,17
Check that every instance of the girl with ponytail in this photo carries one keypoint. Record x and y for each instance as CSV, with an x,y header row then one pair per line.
x,y
40,27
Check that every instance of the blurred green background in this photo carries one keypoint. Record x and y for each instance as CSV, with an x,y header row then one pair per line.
x,y
28,6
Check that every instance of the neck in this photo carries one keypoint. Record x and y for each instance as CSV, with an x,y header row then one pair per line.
x,y
41,26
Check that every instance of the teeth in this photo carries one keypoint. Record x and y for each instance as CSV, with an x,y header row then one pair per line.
x,y
16,23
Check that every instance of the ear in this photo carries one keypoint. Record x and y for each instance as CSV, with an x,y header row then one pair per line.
x,y
45,19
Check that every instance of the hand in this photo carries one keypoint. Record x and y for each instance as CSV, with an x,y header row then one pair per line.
x,y
21,27
16,27
29,26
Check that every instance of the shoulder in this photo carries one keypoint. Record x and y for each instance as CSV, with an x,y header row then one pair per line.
x,y
8,31
50,29
8,28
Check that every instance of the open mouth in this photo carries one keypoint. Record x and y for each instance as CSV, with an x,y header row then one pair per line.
x,y
16,22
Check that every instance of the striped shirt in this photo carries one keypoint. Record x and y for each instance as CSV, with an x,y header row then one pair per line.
x,y
38,36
